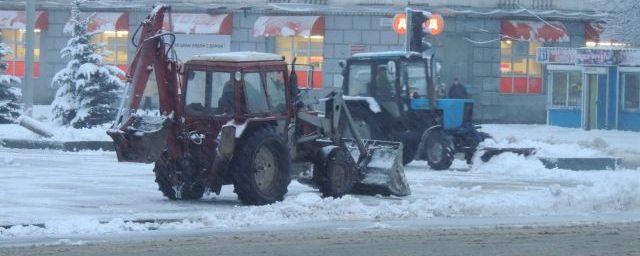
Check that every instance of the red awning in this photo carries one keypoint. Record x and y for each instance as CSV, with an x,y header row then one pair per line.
x,y
289,26
18,20
198,23
105,21
535,31
593,31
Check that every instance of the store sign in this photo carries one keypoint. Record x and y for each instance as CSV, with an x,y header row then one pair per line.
x,y
630,57
188,45
604,57
556,55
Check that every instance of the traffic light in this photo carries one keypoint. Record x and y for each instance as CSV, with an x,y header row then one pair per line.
x,y
419,25
416,33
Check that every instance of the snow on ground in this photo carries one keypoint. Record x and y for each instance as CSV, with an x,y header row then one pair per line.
x,y
89,192
552,141
42,113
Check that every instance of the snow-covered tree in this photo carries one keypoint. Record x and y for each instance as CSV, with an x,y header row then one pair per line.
x,y
10,97
622,20
87,87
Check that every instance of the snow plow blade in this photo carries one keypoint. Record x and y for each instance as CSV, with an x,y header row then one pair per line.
x,y
489,153
381,170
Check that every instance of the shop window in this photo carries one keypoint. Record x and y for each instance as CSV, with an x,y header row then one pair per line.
x,y
308,50
567,89
115,47
15,39
520,73
631,91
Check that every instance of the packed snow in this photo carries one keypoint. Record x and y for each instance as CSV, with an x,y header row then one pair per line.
x,y
90,193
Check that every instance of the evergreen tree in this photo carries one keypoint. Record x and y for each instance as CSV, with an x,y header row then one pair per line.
x,y
622,20
87,87
10,97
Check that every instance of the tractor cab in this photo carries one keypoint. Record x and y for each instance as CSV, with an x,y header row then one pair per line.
x,y
381,89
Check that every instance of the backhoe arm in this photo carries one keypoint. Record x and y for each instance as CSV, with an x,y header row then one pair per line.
x,y
135,139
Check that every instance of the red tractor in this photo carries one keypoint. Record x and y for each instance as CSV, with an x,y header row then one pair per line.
x,y
239,118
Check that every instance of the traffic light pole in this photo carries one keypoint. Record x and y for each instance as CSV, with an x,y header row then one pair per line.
x,y
29,80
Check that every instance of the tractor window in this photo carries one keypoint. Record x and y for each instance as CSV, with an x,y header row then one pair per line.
x,y
359,79
415,79
209,93
254,93
385,81
223,91
276,91
196,87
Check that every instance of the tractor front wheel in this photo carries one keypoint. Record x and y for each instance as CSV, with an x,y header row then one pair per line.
x,y
440,152
261,168
177,181
335,173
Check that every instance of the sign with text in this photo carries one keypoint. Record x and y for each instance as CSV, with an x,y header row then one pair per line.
x,y
556,55
188,45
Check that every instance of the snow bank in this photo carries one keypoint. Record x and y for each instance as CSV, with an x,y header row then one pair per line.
x,y
60,133
564,142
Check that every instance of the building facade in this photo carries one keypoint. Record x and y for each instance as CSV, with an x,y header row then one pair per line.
x,y
490,45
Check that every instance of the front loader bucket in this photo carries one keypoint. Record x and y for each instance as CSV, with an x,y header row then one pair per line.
x,y
381,171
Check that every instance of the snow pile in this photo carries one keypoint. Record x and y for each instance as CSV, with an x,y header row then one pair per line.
x,y
60,133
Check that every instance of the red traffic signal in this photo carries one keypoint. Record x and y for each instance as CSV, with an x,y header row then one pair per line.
x,y
400,23
435,24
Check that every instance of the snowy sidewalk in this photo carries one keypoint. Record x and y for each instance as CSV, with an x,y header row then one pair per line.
x,y
89,193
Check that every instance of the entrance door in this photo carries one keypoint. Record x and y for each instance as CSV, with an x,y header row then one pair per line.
x,y
594,116
591,108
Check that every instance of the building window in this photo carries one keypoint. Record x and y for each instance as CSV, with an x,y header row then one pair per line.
x,y
14,39
631,91
115,47
308,51
567,89
520,73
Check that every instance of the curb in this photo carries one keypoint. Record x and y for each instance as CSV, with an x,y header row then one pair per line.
x,y
71,146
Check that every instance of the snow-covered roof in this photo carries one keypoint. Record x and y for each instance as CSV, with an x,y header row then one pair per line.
x,y
238,56
386,54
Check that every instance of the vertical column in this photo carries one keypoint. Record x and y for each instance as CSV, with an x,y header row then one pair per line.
x,y
28,83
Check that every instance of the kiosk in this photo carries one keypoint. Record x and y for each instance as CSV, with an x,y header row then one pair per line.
x,y
592,88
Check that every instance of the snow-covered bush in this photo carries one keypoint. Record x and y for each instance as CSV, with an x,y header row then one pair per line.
x,y
10,96
622,21
87,87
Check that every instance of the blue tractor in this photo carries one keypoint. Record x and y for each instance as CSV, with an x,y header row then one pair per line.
x,y
392,97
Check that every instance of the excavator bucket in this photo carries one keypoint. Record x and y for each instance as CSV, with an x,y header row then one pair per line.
x,y
381,169
142,141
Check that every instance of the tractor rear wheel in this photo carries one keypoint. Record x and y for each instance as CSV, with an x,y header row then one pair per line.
x,y
335,173
168,172
409,147
261,168
439,151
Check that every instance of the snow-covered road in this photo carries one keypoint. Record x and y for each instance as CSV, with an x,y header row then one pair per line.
x,y
91,193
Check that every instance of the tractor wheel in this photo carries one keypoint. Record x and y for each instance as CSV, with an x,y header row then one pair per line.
x,y
409,147
261,168
335,174
168,171
440,152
